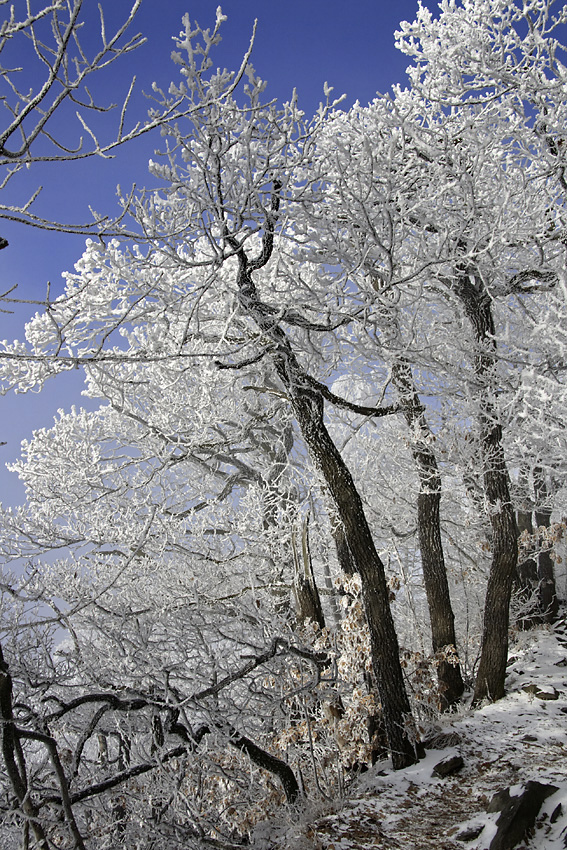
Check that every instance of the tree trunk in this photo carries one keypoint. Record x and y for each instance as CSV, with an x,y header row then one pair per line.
x,y
494,653
308,600
547,592
344,555
526,580
307,403
14,760
441,614
383,639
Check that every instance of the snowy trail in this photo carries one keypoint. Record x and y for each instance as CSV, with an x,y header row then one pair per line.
x,y
503,745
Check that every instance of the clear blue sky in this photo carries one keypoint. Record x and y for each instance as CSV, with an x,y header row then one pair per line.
x,y
299,43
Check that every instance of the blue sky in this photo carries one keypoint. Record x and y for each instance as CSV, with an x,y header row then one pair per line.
x,y
299,43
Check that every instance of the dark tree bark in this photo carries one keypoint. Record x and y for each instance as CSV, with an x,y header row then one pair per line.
x,y
13,757
526,580
429,528
308,602
383,638
547,592
306,592
307,400
259,756
344,555
491,674
268,762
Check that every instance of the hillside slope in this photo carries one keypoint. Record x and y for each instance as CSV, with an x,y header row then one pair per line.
x,y
504,745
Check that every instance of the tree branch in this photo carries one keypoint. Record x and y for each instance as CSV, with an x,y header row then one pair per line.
x,y
362,409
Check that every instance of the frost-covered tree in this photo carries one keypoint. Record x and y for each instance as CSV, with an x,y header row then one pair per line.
x,y
359,218
212,280
441,197
167,518
319,335
48,65
498,166
143,484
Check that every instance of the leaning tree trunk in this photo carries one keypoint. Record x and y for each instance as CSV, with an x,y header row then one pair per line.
x,y
344,555
494,653
306,398
429,528
346,498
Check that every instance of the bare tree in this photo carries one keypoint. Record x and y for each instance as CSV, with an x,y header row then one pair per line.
x,y
46,67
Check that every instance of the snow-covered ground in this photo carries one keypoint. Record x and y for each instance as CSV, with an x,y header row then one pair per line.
x,y
503,745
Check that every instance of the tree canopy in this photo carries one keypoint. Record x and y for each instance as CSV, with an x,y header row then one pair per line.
x,y
325,475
